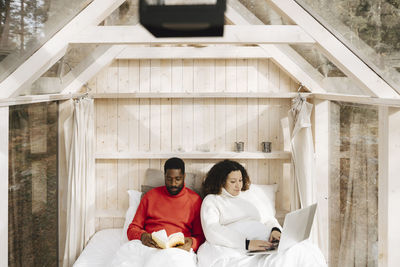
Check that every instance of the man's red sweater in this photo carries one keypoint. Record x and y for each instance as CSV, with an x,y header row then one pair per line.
x,y
159,210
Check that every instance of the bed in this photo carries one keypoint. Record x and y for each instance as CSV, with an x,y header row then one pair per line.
x,y
105,243
100,249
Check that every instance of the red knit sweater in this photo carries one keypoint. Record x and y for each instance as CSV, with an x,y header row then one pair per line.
x,y
160,210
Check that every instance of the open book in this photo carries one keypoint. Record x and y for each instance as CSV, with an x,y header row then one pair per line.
x,y
164,241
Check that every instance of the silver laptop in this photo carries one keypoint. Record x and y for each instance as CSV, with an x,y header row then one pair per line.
x,y
296,228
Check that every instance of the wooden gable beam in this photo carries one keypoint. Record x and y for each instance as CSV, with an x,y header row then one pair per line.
x,y
56,47
304,74
283,55
89,67
254,34
334,50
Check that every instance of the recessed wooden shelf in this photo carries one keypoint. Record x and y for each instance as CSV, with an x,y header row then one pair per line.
x,y
196,155
197,95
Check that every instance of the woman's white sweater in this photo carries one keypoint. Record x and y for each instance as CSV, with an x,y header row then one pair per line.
x,y
229,220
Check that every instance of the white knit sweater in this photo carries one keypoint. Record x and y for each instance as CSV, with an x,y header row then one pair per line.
x,y
229,220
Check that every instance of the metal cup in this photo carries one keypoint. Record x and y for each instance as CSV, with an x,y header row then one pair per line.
x,y
266,147
239,146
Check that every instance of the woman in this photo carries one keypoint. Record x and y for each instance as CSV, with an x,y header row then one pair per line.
x,y
235,221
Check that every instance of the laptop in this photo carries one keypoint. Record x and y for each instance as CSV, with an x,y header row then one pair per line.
x,y
296,228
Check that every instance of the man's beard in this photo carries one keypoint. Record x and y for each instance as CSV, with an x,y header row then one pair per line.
x,y
171,188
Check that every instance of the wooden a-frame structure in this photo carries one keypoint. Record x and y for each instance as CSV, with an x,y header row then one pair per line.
x,y
262,41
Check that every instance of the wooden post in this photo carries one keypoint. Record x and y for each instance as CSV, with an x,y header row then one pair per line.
x,y
389,187
4,187
334,185
321,124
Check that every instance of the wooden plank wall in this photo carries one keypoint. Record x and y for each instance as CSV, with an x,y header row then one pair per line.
x,y
128,125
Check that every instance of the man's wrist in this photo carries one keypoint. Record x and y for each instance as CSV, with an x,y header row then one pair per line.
x,y
142,235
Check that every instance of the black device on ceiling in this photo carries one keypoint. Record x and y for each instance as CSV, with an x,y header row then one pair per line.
x,y
182,20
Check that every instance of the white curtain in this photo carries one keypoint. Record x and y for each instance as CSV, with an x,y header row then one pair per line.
x,y
79,133
303,189
302,147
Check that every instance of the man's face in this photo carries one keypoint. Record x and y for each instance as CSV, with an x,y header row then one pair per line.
x,y
174,181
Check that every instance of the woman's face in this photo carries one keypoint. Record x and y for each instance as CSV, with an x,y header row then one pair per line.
x,y
234,183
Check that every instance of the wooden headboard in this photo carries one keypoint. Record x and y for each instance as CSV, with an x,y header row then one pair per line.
x,y
150,110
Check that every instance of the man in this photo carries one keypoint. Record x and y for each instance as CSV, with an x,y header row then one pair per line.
x,y
172,207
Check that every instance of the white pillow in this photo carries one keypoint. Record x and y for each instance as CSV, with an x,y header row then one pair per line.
x,y
134,200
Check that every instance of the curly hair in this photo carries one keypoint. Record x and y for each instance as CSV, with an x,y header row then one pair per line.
x,y
217,175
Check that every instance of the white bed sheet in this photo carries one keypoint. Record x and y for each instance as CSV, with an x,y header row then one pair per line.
x,y
100,249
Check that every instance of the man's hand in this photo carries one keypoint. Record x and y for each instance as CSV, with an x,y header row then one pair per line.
x,y
275,236
256,245
188,244
148,241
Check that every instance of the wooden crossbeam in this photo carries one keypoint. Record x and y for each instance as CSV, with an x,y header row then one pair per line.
x,y
206,52
255,34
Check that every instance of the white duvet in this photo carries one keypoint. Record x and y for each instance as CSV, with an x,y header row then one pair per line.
x,y
304,254
133,253
105,250
100,249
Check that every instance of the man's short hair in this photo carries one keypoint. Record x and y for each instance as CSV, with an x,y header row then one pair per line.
x,y
174,163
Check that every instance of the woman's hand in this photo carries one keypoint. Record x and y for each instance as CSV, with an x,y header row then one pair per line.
x,y
259,245
275,236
